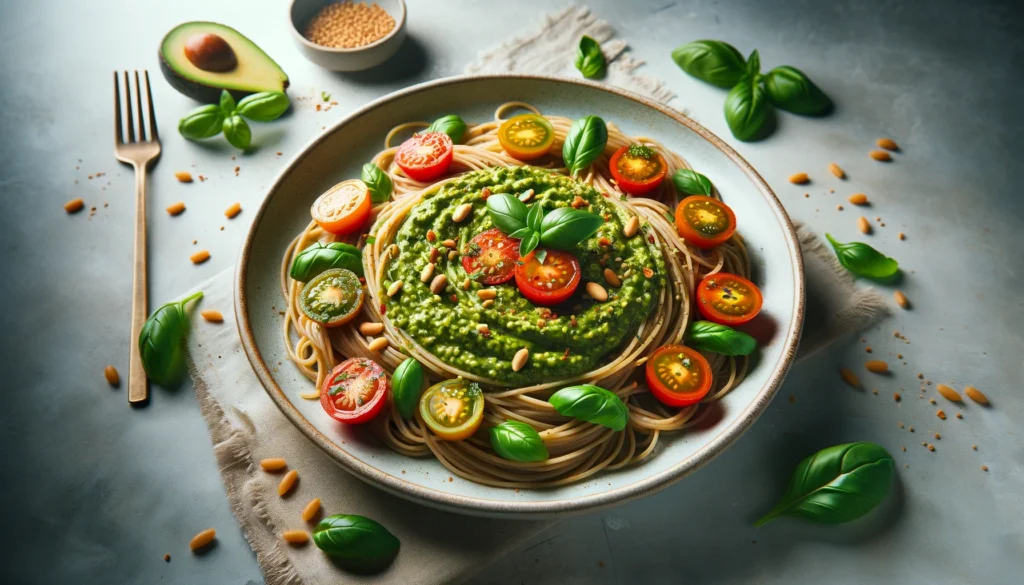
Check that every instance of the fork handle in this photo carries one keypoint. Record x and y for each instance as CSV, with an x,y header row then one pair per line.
x,y
138,386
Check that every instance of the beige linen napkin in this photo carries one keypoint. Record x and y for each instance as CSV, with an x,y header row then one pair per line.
x,y
245,426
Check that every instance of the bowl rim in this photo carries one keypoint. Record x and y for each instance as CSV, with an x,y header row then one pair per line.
x,y
528,509
399,25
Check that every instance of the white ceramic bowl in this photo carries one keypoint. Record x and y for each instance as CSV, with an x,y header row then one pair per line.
x,y
358,58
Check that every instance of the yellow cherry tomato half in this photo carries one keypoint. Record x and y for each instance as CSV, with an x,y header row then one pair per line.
x,y
453,409
527,136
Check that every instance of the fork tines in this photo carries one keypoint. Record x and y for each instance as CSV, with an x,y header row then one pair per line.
x,y
133,101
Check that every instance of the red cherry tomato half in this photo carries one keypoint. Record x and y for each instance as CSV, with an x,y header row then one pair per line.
x,y
704,222
637,169
678,375
355,391
549,282
492,255
425,157
728,299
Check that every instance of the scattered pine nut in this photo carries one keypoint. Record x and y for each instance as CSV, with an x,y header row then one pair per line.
x,y
849,377
450,244
597,292
975,395
488,303
486,293
452,255
526,195
212,316
863,225
74,206
631,227
837,171
902,236
901,299
611,278
183,176
202,539
370,329
948,393
287,482
858,199
887,143
931,447
880,155
427,273
799,178
519,360
466,284
379,344
295,536
273,464
462,212
200,257
176,208
877,366
439,283
311,510
941,414
110,373
234,210
394,288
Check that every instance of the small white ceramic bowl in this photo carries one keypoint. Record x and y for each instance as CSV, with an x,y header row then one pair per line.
x,y
354,59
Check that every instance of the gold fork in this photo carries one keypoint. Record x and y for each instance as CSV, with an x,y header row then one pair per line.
x,y
139,150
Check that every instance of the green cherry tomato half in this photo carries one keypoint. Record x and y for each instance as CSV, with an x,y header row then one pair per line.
x,y
333,297
453,409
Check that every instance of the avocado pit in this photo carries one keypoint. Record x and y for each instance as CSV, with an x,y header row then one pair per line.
x,y
210,52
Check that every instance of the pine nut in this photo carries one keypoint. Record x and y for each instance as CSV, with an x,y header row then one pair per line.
x,y
273,464
486,293
287,482
858,199
597,292
176,208
200,257
488,303
526,195
449,244
948,393
611,278
901,299
880,155
462,212
110,373
941,414
481,327
466,284
212,316
438,284
632,226
394,288
295,536
877,366
863,225
202,539
519,360
452,255
427,273
183,176
887,143
234,210
379,344
975,395
311,510
837,171
799,178
849,377
370,329
74,206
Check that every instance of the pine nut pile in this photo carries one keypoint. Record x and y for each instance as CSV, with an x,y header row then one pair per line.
x,y
345,25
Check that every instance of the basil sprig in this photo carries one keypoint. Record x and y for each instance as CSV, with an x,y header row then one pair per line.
x,y
748,104
708,336
162,343
319,257
592,404
518,441
356,542
407,386
691,182
589,58
452,125
378,181
562,229
837,484
863,260
585,142
227,116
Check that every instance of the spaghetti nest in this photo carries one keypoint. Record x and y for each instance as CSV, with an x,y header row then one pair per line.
x,y
577,449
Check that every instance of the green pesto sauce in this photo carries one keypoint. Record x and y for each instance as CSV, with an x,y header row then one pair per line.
x,y
447,324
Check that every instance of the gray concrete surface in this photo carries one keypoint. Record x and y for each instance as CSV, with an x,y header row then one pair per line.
x,y
94,492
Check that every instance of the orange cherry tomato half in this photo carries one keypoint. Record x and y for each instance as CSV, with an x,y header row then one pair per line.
x,y
425,157
344,208
728,299
549,282
637,169
527,136
355,391
491,256
678,375
704,222
453,409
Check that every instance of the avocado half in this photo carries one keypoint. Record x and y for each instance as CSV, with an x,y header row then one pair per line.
x,y
253,72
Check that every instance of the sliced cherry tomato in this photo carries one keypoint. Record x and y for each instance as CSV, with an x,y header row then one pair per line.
x,y
527,136
678,375
638,169
728,299
333,297
355,391
549,282
453,409
344,208
492,255
425,157
704,222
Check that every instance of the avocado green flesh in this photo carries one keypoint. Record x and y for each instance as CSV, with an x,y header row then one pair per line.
x,y
565,340
255,71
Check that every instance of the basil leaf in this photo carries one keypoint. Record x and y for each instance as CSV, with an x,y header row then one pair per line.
x,y
452,125
715,62
754,64
791,90
507,212
589,58
518,441
406,387
378,181
746,109
202,122
708,336
528,243
534,217
565,227
541,255
691,182
237,131
227,103
585,142
318,258
162,343
837,484
521,233
356,542
592,404
863,260
264,106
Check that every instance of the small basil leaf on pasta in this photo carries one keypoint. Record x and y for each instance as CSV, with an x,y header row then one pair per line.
x,y
202,122
162,343
592,404
691,183
528,243
407,386
264,106
863,260
237,131
452,125
714,62
746,109
319,257
789,89
518,441
378,182
565,227
356,542
589,58
507,212
534,217
708,336
837,484
584,143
